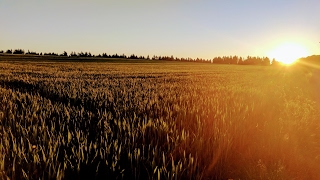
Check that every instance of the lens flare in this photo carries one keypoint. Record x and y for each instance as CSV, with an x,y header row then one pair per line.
x,y
288,53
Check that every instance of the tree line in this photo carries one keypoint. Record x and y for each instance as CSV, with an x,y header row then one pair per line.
x,y
249,60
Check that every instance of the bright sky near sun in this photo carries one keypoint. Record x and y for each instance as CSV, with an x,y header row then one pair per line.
x,y
198,28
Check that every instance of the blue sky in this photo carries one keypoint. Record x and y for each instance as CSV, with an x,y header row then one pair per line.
x,y
187,28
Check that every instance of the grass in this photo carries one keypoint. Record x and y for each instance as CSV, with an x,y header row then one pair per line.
x,y
69,120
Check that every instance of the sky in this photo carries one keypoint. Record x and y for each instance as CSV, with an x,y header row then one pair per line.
x,y
189,28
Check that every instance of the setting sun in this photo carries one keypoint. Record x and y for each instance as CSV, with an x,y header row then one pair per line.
x,y
288,53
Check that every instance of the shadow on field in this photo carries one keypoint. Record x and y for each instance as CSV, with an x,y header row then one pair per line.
x,y
87,105
23,87
91,128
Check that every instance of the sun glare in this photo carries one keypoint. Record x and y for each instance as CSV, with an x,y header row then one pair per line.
x,y
288,53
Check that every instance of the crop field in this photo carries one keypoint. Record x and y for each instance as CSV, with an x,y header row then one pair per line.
x,y
158,120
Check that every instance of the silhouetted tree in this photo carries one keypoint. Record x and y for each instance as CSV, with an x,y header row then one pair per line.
x,y
275,62
64,54
50,54
18,51
314,59
32,53
234,60
73,54
133,56
266,61
249,60
104,55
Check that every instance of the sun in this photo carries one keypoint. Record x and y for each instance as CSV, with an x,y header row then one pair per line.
x,y
288,53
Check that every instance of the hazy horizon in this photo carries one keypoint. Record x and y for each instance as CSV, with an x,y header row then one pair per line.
x,y
203,29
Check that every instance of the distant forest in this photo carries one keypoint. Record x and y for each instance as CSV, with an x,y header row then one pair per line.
x,y
249,60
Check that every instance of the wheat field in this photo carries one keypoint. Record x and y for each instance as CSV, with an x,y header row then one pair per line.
x,y
158,120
